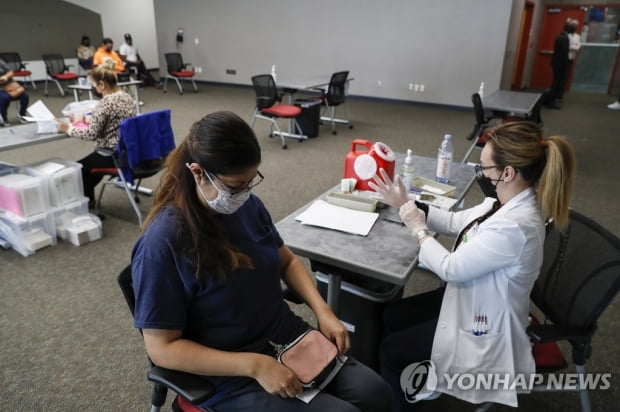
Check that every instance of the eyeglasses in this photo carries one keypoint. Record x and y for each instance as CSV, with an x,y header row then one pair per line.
x,y
256,180
479,169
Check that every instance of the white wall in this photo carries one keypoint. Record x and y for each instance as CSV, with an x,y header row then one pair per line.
x,y
450,46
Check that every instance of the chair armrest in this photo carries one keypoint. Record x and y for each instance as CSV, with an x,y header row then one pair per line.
x,y
196,389
553,333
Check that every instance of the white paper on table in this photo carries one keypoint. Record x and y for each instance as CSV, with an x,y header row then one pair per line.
x,y
46,121
326,215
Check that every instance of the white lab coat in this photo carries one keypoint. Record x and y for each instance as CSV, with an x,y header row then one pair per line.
x,y
492,273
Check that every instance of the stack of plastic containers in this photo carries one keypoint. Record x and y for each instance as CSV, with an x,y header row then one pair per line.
x,y
63,183
26,221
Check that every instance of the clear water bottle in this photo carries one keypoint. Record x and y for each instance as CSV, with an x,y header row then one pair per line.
x,y
406,172
444,159
481,90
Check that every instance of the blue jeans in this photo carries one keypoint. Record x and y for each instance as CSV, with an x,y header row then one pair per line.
x,y
5,100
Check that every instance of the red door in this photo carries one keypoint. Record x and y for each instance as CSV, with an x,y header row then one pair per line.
x,y
524,41
553,22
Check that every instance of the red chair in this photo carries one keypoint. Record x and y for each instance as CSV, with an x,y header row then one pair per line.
x,y
57,70
178,70
14,61
268,108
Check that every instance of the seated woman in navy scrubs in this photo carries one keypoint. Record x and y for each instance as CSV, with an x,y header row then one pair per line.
x,y
207,273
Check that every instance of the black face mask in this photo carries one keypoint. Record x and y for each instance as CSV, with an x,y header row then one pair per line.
x,y
486,185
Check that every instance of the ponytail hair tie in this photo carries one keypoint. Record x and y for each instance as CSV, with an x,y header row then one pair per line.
x,y
543,143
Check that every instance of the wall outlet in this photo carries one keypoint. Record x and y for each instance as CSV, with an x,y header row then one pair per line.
x,y
231,71
196,40
410,86
379,83
416,87
198,69
421,87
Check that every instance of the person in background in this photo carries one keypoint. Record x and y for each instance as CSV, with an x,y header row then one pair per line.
x,y
560,64
574,43
206,276
85,53
6,77
106,53
114,107
132,58
477,322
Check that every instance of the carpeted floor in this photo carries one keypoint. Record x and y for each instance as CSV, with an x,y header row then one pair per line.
x,y
66,337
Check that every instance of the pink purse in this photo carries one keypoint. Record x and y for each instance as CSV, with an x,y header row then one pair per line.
x,y
311,357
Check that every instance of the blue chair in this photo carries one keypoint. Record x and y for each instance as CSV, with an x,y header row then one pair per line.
x,y
145,141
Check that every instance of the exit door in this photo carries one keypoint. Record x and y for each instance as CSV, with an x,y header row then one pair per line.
x,y
554,19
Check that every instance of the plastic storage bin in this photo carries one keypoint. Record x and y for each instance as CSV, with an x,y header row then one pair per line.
x,y
27,235
7,168
62,180
22,195
361,305
77,208
310,116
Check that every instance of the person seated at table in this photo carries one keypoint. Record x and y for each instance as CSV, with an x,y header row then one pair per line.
x,y
130,56
477,322
85,53
206,274
103,127
106,53
6,77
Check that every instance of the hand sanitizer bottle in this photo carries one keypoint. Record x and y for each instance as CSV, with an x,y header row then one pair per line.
x,y
273,73
406,172
481,90
444,159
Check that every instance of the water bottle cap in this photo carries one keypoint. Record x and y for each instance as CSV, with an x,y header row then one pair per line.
x,y
448,137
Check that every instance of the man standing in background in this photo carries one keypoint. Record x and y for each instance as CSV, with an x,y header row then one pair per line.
x,y
560,64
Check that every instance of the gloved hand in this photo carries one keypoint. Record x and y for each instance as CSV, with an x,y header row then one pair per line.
x,y
412,216
392,193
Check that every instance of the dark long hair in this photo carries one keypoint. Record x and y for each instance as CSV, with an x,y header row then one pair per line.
x,y
222,143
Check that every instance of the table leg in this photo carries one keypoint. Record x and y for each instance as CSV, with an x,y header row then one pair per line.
x,y
75,95
333,291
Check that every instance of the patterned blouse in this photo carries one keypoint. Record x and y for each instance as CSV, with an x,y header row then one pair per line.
x,y
111,110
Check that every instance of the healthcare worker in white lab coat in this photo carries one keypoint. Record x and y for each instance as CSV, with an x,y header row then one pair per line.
x,y
476,323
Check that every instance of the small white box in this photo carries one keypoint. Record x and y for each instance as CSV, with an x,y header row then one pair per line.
x,y
72,210
80,229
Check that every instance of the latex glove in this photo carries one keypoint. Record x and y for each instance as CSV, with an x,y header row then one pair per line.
x,y
412,216
392,193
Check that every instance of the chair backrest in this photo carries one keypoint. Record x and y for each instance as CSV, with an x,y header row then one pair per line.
x,y
13,60
54,63
336,91
174,62
478,109
580,274
126,284
266,90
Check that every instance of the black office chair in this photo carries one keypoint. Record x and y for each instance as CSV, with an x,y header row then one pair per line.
x,y
579,278
477,135
336,95
268,108
194,388
177,69
57,71
14,61
145,141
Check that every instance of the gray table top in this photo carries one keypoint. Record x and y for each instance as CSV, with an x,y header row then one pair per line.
x,y
521,103
388,253
12,137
